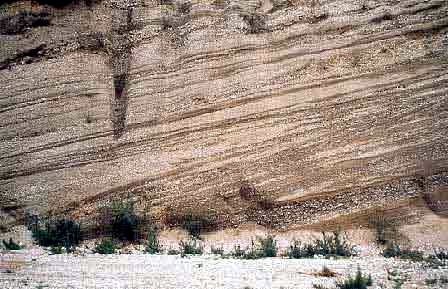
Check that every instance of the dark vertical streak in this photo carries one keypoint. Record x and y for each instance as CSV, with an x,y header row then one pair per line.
x,y
120,59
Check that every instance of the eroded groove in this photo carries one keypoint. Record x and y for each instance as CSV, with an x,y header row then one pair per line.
x,y
120,60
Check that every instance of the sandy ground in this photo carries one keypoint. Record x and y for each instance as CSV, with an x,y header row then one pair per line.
x,y
33,268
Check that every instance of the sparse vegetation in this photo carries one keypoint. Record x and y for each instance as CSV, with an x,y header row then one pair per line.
x,y
55,250
152,245
11,245
61,232
22,21
217,251
172,251
394,250
358,282
265,247
190,247
268,246
251,253
237,251
441,253
330,245
326,272
385,228
396,278
194,222
106,246
124,221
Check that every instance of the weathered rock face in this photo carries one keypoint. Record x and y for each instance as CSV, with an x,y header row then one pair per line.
x,y
180,103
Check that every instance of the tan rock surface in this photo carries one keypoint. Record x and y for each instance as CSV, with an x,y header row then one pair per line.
x,y
343,98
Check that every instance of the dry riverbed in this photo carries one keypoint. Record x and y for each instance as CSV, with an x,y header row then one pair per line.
x,y
36,268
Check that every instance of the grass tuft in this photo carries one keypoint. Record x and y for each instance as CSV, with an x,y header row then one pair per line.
x,y
333,244
360,281
190,247
11,245
106,246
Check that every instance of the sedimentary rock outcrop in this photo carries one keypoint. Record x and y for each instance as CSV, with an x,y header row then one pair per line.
x,y
181,103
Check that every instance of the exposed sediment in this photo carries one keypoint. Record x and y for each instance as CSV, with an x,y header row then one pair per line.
x,y
186,101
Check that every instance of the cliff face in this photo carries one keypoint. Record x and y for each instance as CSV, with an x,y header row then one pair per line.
x,y
323,106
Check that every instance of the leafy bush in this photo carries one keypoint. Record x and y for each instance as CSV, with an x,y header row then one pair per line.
x,y
268,246
61,232
333,245
11,245
190,247
329,245
394,250
106,246
297,251
358,282
124,221
265,247
153,245
194,222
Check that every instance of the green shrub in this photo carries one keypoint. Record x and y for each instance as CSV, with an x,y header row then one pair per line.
x,y
237,251
217,251
172,251
190,247
252,253
358,282
61,232
330,245
394,250
152,245
333,245
268,246
124,221
265,247
55,250
297,251
106,246
194,222
11,245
